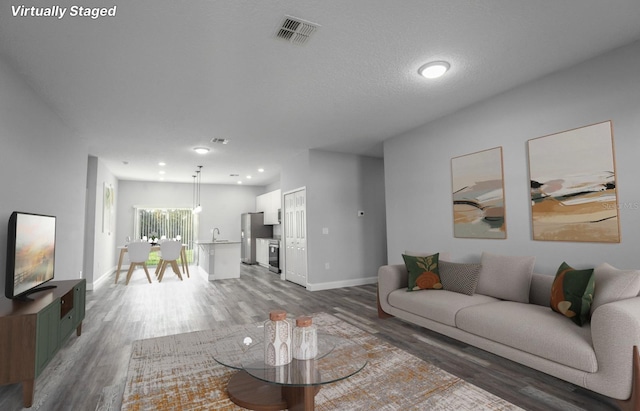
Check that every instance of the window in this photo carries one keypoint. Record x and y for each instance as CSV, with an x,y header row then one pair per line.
x,y
168,222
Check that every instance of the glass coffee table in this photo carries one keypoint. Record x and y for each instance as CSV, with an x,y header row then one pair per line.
x,y
261,387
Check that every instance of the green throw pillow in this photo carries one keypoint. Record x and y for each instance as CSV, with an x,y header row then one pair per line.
x,y
572,293
423,272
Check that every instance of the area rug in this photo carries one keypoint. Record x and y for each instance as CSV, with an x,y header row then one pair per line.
x,y
178,372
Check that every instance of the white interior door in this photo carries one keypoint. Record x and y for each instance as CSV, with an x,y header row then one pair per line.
x,y
295,228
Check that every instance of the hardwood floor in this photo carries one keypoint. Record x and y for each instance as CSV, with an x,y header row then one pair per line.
x,y
88,373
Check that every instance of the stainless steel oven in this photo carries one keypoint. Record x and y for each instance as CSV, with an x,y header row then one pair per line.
x,y
274,256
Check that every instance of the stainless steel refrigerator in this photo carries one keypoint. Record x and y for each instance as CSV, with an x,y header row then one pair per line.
x,y
252,227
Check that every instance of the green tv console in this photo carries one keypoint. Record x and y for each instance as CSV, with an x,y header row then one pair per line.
x,y
31,332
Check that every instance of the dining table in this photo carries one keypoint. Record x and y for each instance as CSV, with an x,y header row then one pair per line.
x,y
154,247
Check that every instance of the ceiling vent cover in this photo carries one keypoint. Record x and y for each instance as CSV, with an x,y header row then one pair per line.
x,y
295,30
220,140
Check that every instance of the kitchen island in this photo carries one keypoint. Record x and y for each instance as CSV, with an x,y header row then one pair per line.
x,y
219,259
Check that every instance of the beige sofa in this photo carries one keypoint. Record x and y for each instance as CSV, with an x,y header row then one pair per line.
x,y
597,356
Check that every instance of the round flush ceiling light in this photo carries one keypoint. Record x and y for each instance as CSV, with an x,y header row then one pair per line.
x,y
201,150
434,69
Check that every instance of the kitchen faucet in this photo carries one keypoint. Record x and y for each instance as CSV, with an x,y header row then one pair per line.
x,y
214,233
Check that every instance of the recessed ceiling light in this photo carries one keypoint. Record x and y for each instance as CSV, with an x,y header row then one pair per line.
x,y
162,171
239,182
434,69
201,150
249,177
162,164
261,170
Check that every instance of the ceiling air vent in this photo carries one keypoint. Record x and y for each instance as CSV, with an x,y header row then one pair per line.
x,y
295,30
220,140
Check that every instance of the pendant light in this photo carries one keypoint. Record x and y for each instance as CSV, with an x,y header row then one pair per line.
x,y
193,207
198,208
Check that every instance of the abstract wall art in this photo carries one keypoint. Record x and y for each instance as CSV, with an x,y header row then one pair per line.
x,y
108,203
573,185
478,195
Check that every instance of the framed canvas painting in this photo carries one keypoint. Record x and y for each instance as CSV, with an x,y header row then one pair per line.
x,y
573,185
478,195
108,202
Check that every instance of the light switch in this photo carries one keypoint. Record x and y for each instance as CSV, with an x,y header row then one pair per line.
x,y
325,230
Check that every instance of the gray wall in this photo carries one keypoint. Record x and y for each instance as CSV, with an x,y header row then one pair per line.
x,y
43,167
337,187
221,205
418,174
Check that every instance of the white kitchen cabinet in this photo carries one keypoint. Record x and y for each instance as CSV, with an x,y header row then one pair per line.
x,y
262,252
269,204
262,203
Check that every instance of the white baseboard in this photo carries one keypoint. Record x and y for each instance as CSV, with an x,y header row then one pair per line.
x,y
97,282
341,284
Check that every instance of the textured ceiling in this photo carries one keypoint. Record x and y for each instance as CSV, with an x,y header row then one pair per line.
x,y
164,76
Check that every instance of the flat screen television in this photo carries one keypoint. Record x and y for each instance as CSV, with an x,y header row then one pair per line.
x,y
31,246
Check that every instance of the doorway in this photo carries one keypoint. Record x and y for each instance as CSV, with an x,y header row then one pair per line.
x,y
295,238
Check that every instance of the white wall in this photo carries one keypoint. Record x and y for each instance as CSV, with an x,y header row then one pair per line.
x,y
337,187
100,240
273,186
340,186
222,205
418,174
295,173
43,169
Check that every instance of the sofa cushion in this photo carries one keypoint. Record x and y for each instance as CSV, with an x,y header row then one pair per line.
x,y
572,293
505,277
423,272
442,255
612,284
531,328
459,278
436,305
540,290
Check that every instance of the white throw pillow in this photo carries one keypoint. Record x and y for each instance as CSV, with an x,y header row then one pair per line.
x,y
505,277
612,284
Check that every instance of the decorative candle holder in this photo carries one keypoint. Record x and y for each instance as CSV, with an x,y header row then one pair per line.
x,y
277,339
305,339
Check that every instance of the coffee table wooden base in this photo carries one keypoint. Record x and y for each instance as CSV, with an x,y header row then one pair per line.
x,y
251,393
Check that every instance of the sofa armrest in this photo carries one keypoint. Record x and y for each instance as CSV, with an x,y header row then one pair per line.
x,y
390,278
615,330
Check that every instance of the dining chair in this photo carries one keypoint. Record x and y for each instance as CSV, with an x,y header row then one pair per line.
x,y
170,252
138,255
